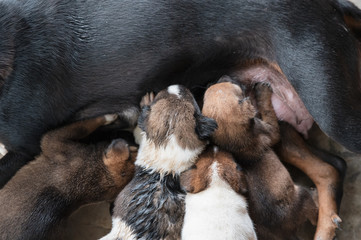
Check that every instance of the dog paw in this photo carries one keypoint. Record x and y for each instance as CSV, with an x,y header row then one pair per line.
x,y
326,227
147,99
109,118
263,91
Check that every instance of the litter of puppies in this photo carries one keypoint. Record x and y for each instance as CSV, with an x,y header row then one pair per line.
x,y
210,174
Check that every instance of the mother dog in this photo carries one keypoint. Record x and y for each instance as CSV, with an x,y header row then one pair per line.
x,y
66,60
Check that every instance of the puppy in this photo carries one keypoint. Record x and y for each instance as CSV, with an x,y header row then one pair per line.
x,y
277,206
174,133
215,207
66,175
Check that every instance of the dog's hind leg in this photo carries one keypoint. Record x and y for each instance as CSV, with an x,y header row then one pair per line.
x,y
327,178
75,131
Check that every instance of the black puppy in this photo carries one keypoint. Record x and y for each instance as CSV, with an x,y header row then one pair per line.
x,y
64,60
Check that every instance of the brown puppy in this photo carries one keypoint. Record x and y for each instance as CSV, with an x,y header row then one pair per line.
x,y
65,176
277,206
174,133
215,204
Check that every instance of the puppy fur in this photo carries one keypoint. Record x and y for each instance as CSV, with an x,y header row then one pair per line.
x,y
174,133
66,175
277,206
215,205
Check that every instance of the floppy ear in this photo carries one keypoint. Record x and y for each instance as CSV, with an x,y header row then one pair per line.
x,y
205,127
192,182
234,175
143,116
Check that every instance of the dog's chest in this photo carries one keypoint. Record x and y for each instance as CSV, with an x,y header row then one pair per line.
x,y
155,206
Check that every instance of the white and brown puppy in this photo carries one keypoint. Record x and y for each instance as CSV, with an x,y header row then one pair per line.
x,y
66,175
277,206
215,204
174,133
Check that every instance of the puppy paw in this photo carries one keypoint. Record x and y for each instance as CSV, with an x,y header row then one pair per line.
x,y
109,118
263,90
137,133
263,94
147,99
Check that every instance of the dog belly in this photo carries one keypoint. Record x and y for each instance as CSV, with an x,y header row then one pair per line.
x,y
217,213
285,100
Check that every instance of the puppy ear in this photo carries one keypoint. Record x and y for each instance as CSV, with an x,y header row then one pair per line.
x,y
143,116
192,182
205,127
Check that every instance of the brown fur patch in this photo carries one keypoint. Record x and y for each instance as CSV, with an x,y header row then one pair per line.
x,y
198,177
172,115
295,151
65,176
236,116
276,206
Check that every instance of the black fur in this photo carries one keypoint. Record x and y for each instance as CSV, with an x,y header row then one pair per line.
x,y
66,60
50,208
143,115
153,202
205,126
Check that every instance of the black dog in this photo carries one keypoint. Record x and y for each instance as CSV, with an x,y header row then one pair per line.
x,y
62,61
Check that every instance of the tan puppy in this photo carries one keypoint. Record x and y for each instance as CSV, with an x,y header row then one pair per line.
x,y
65,176
277,206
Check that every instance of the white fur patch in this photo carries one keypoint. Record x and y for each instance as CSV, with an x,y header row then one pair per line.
x,y
131,115
217,213
109,118
174,89
168,159
3,150
120,230
137,133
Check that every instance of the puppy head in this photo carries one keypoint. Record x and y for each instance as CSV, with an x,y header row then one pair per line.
x,y
174,128
119,160
226,103
212,167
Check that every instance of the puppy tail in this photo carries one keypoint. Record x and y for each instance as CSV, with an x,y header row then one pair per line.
x,y
351,15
